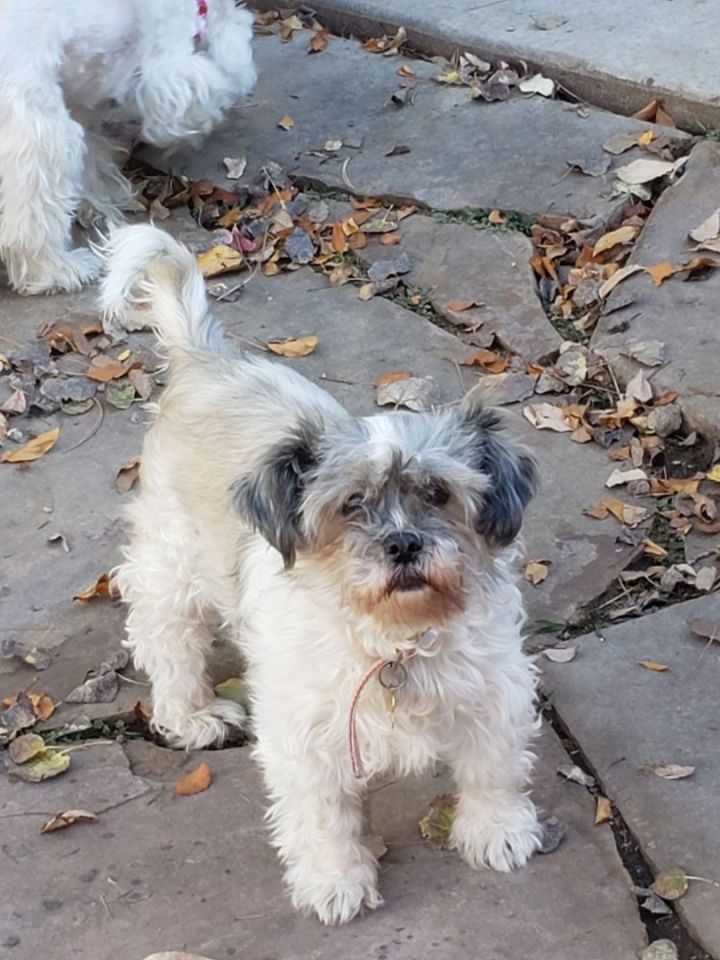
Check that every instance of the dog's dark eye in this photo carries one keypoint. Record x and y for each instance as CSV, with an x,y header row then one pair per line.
x,y
353,503
436,494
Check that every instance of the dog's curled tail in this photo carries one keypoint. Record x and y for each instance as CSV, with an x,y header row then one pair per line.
x,y
152,280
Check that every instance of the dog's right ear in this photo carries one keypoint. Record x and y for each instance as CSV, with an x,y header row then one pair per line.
x,y
269,498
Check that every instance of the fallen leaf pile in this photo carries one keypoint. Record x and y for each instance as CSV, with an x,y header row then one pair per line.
x,y
273,22
488,82
67,370
270,226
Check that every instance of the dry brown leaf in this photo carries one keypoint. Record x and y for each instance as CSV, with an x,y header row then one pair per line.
x,y
644,170
42,704
389,239
661,271
497,218
392,377
654,112
142,713
104,369
654,666
103,587
286,122
366,291
624,512
622,235
66,819
581,435
319,40
458,306
673,771
195,782
406,71
546,416
293,347
220,259
535,571
33,449
338,240
603,810
653,549
709,229
488,360
127,475
606,288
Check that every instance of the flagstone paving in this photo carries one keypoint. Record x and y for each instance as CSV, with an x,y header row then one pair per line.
x,y
160,872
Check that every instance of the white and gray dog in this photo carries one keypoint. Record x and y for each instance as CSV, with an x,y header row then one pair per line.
x,y
170,67
365,569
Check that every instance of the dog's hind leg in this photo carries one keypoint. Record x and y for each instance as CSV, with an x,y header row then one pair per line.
x,y
42,151
106,191
168,636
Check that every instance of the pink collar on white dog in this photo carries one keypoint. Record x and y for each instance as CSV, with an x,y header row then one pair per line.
x,y
425,644
202,12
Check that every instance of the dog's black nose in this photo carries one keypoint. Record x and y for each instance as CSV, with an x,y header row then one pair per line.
x,y
403,546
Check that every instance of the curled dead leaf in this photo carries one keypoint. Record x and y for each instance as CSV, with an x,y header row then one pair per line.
x,y
127,475
33,449
103,587
458,306
195,782
535,571
286,122
659,272
673,771
654,665
603,810
66,819
383,378
488,360
293,347
220,259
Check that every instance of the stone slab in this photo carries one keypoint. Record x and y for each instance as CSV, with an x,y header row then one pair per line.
x,y
161,872
490,267
462,153
681,314
618,56
626,718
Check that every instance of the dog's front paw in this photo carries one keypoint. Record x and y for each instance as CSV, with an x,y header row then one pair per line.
x,y
211,726
65,273
501,838
335,899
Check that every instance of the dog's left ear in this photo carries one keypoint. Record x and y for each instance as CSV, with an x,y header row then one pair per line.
x,y
270,497
511,470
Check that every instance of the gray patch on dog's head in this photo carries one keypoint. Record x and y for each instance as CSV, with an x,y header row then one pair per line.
x,y
269,498
511,470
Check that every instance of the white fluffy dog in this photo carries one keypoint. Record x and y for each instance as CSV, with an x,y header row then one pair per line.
x,y
173,66
364,567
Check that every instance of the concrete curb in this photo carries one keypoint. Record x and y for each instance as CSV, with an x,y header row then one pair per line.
x,y
430,34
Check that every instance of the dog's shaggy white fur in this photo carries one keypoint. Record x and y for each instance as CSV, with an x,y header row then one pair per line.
x,y
68,65
326,542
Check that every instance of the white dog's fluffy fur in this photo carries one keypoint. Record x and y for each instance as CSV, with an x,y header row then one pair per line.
x,y
68,65
264,501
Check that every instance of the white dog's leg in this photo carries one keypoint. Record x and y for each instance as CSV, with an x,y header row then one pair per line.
x,y
170,642
42,150
315,817
495,822
106,192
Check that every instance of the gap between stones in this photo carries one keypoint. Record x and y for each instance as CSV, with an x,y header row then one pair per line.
x,y
670,927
